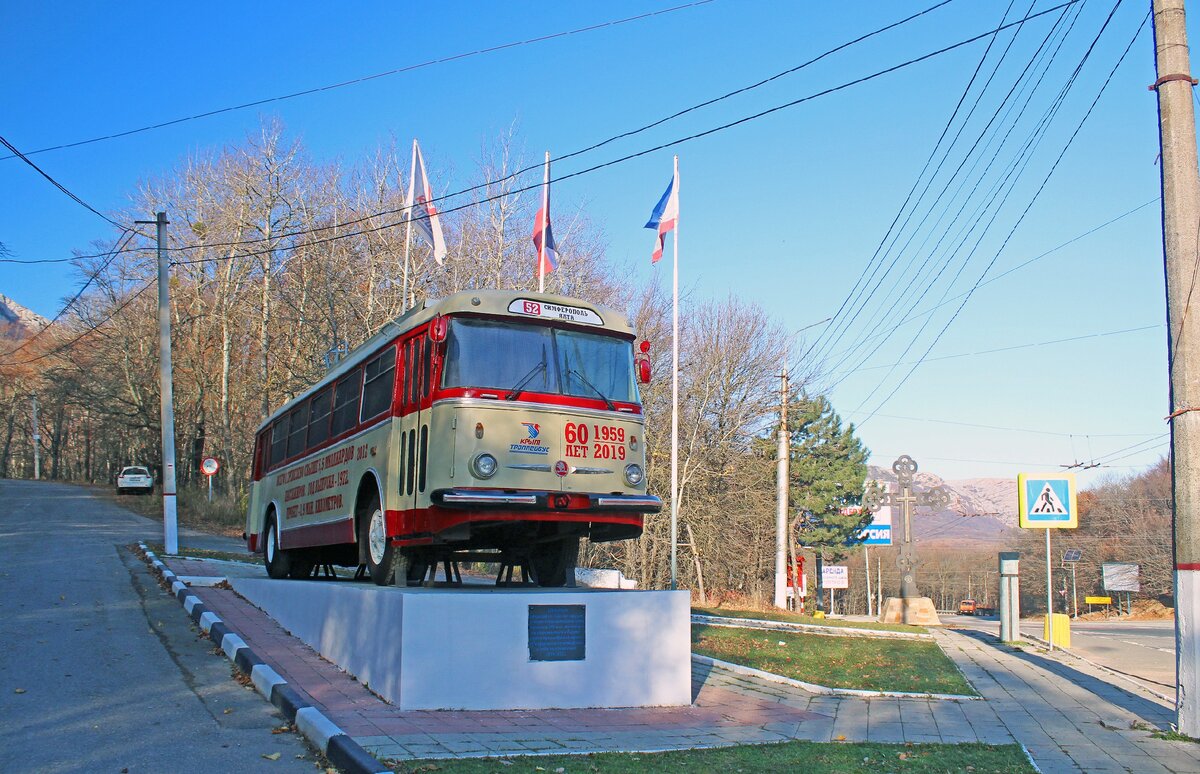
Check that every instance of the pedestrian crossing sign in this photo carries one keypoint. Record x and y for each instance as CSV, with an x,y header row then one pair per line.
x,y
1047,501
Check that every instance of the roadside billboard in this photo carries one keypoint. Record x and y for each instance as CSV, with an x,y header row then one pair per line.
x,y
1120,576
835,576
879,531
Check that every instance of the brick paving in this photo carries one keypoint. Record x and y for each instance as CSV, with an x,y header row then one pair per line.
x,y
1068,719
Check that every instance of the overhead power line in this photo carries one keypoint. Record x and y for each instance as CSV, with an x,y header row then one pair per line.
x,y
58,185
622,159
126,235
627,157
90,329
364,78
1028,207
1084,337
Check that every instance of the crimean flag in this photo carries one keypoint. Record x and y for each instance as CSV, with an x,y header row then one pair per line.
x,y
424,215
665,214
543,234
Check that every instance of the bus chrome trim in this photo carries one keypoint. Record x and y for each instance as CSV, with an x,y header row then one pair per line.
x,y
555,407
629,501
537,468
590,471
488,498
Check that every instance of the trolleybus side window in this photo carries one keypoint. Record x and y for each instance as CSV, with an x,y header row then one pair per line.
x,y
378,384
318,423
279,435
298,421
345,402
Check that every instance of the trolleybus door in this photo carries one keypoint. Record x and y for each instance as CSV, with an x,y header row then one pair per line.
x,y
414,425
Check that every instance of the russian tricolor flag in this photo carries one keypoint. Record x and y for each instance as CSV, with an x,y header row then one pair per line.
x,y
543,235
665,214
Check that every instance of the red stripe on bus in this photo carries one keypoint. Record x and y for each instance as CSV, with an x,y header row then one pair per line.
x,y
330,533
435,519
1188,566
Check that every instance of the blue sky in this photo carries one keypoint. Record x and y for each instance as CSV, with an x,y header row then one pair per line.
x,y
785,210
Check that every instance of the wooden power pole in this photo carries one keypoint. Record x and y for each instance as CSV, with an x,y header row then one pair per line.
x,y
1181,213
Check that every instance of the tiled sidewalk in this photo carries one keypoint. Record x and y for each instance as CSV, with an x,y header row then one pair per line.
x,y
727,708
1066,714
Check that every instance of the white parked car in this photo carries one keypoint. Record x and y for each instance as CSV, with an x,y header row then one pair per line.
x,y
135,479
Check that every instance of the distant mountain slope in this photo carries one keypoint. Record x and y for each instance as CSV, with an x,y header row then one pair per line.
x,y
16,321
982,510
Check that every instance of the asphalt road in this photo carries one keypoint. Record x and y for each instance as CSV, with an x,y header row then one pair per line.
x,y
1144,650
101,670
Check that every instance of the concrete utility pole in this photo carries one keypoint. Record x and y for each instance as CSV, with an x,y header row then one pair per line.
x,y
783,453
37,441
1181,212
166,389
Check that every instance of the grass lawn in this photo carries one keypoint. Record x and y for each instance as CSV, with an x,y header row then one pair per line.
x,y
916,666
769,615
789,756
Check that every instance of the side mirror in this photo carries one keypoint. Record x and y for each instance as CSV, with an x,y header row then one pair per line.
x,y
643,362
438,328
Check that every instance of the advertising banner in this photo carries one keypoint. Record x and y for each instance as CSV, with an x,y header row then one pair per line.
x,y
835,576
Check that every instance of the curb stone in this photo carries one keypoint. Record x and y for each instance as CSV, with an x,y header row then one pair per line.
x,y
336,745
803,628
823,689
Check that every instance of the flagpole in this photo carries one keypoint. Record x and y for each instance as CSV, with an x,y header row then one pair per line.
x,y
545,225
412,182
675,389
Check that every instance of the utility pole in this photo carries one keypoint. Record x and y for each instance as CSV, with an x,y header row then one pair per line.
x,y
1181,209
781,508
37,441
166,389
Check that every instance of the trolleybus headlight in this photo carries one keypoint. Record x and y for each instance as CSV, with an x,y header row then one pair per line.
x,y
484,465
633,475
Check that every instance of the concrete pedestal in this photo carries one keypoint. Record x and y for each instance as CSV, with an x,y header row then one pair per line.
x,y
917,611
486,648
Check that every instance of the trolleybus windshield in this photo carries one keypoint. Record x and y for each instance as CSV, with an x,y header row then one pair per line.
x,y
530,358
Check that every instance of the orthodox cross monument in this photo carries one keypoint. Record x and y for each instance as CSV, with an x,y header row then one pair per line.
x,y
910,607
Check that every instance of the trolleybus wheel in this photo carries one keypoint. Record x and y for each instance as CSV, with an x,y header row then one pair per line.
x,y
279,561
380,553
554,562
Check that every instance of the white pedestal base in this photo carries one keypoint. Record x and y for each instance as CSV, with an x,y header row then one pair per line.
x,y
469,648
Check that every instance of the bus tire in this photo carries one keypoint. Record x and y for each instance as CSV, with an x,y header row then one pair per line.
x,y
554,562
379,552
278,561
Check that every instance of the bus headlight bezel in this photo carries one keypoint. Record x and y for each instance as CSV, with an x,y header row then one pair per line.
x,y
634,475
484,465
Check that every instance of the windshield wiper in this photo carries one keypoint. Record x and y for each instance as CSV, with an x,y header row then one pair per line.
x,y
583,379
520,386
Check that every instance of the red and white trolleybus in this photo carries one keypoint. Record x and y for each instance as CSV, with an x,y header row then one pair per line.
x,y
488,426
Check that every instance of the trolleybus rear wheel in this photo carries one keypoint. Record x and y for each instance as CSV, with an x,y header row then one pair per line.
x,y
279,561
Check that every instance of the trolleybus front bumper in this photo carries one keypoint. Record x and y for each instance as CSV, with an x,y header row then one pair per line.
x,y
545,501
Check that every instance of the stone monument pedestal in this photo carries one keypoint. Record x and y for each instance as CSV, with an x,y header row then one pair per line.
x,y
916,611
482,647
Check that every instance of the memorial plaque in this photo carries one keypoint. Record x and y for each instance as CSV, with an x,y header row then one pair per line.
x,y
556,633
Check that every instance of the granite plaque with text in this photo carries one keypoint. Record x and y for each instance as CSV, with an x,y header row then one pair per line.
x,y
556,632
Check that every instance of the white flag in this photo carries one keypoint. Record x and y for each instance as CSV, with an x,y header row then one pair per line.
x,y
420,210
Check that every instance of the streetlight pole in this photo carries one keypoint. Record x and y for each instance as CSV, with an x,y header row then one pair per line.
x,y
166,388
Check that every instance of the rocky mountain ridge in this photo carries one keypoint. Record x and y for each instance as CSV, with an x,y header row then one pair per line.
x,y
981,510
16,321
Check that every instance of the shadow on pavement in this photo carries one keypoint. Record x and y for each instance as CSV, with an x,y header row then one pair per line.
x,y
1149,711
